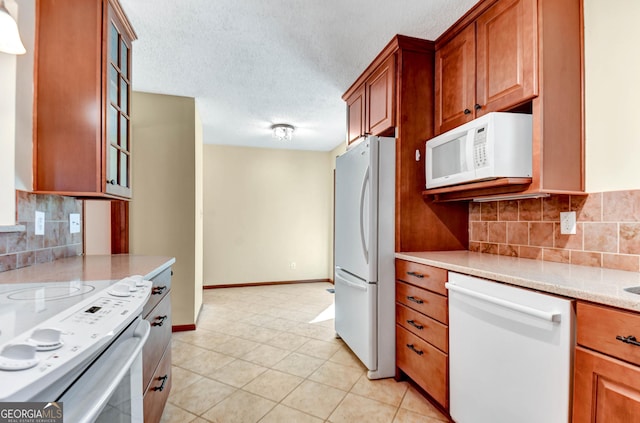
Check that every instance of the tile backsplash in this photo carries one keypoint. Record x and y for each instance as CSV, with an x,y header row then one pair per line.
x,y
21,249
607,230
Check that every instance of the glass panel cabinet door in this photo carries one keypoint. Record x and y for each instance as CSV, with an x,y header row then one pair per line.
x,y
118,132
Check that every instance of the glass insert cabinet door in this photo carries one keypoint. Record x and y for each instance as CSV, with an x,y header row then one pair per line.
x,y
118,74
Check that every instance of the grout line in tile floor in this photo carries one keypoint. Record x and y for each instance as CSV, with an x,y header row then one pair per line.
x,y
269,354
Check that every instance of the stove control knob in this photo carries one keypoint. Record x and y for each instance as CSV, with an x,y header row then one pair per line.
x,y
130,282
46,339
139,279
120,290
18,357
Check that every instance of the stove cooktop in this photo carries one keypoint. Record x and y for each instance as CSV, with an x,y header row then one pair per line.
x,y
24,306
52,331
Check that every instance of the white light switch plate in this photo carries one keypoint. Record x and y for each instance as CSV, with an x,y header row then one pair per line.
x,y
74,223
568,223
39,223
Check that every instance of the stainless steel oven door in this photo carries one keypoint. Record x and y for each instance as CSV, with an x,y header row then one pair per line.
x,y
110,390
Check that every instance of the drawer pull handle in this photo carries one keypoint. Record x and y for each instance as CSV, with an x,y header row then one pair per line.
x,y
629,340
415,300
158,290
159,320
416,274
412,348
415,325
161,387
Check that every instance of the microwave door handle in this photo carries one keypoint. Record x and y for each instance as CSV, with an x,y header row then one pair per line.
x,y
471,164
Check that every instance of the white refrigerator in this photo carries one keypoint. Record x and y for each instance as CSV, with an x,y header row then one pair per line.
x,y
364,253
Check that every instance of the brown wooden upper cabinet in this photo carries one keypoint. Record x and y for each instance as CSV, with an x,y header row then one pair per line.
x,y
370,106
490,65
394,97
355,115
82,136
518,56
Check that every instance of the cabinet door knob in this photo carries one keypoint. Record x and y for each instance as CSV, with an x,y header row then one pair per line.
x,y
467,111
111,181
477,106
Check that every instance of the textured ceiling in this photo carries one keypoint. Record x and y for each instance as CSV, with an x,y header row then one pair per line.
x,y
252,63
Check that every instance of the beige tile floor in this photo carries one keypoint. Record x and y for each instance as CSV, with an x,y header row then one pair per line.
x,y
269,354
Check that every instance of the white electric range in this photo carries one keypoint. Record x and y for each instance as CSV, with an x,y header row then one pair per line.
x,y
75,342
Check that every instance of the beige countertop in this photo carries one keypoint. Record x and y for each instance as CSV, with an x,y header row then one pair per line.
x,y
604,286
88,268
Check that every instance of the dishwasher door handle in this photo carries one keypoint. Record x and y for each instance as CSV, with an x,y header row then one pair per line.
x,y
530,311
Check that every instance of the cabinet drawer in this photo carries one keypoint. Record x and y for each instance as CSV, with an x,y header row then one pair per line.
x,y
427,277
157,393
598,327
426,302
158,340
161,285
428,329
423,363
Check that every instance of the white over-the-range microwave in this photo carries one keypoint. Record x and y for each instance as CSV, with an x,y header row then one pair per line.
x,y
496,145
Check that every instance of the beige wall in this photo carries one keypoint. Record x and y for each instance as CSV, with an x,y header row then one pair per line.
x,y
163,209
7,137
15,111
199,218
97,227
265,209
24,98
341,148
612,66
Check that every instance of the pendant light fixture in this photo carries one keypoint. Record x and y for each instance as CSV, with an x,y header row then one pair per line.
x,y
283,131
9,36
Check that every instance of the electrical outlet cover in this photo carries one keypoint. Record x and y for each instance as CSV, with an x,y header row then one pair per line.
x,y
39,223
74,223
568,223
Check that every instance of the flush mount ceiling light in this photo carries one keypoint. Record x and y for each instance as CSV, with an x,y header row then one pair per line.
x,y
283,131
9,36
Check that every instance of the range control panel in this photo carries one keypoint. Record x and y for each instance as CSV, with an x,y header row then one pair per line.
x,y
45,353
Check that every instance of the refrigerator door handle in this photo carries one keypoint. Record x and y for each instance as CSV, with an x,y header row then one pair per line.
x,y
363,191
353,285
343,277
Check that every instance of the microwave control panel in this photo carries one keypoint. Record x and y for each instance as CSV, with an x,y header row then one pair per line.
x,y
480,147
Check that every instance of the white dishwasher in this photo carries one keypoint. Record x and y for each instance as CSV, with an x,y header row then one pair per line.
x,y
510,353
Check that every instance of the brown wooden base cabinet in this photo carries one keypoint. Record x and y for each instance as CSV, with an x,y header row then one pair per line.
x,y
156,353
422,333
606,369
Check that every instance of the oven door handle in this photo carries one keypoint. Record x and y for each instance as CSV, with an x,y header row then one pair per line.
x,y
84,401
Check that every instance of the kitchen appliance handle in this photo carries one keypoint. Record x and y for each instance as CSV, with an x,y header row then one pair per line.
x,y
530,311
99,382
363,191
342,279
